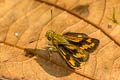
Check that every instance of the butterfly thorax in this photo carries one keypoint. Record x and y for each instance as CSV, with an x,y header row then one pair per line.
x,y
56,38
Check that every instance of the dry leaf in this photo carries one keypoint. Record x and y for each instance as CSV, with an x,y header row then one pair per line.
x,y
23,24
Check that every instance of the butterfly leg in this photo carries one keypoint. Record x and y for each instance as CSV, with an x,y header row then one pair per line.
x,y
50,51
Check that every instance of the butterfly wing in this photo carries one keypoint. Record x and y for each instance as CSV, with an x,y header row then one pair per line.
x,y
78,53
82,40
66,54
77,50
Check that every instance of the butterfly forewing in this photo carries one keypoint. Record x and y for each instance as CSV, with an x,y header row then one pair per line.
x,y
82,40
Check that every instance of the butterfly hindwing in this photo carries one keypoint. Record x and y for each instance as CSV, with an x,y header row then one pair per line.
x,y
77,52
68,57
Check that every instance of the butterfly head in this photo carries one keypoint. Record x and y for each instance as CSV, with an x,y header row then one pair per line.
x,y
50,34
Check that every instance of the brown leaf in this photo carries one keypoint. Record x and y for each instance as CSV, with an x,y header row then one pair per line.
x,y
23,24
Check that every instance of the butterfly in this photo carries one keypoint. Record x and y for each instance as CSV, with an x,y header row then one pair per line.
x,y
74,48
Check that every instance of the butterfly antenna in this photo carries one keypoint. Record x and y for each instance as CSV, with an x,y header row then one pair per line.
x,y
51,16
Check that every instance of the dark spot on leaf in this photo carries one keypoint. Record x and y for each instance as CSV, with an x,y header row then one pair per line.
x,y
31,41
109,26
106,68
82,10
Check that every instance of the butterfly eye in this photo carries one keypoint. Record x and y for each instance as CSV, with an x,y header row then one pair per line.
x,y
49,38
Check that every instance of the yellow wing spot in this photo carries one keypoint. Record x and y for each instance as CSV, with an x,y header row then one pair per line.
x,y
72,62
68,36
81,51
81,48
89,40
80,39
64,57
85,46
78,55
75,39
79,36
92,44
63,53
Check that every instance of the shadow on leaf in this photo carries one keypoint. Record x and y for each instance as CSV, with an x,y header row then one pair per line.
x,y
53,67
83,10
